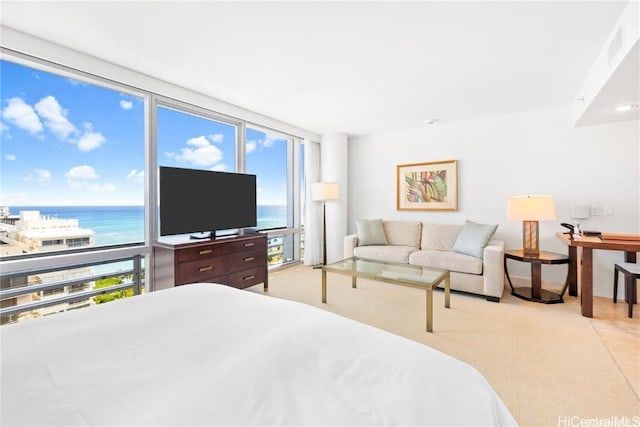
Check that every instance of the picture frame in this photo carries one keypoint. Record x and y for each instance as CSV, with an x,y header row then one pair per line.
x,y
430,186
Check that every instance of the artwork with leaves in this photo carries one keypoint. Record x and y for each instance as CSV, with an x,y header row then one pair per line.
x,y
428,186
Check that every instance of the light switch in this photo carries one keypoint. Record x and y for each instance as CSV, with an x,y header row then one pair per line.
x,y
608,210
595,210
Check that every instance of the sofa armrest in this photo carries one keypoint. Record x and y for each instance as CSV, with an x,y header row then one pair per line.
x,y
350,243
493,268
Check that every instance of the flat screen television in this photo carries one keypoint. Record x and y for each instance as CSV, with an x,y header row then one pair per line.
x,y
203,201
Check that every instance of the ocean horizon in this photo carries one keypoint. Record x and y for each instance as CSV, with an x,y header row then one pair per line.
x,y
125,224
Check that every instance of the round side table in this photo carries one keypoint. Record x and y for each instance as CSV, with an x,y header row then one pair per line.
x,y
535,292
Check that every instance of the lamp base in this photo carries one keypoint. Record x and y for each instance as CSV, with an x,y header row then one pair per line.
x,y
530,239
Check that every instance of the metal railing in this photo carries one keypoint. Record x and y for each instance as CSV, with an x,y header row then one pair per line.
x,y
135,283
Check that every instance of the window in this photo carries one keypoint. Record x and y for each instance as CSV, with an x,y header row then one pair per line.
x,y
72,163
74,180
71,174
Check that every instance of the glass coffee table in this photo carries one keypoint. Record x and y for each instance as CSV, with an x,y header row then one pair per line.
x,y
426,278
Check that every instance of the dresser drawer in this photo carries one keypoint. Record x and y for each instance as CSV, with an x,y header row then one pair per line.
x,y
218,279
204,270
244,260
257,244
246,278
200,252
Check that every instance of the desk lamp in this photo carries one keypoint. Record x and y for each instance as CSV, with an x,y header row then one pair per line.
x,y
321,192
530,210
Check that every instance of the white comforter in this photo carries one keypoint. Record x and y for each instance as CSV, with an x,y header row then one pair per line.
x,y
210,354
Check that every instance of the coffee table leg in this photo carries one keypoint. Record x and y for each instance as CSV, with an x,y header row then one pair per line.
x,y
324,286
429,309
353,282
447,291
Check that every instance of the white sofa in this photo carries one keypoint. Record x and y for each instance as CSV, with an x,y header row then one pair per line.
x,y
432,245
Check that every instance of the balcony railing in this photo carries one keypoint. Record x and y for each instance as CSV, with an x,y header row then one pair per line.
x,y
16,285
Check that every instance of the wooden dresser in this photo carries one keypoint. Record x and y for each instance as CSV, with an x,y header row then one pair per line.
x,y
238,261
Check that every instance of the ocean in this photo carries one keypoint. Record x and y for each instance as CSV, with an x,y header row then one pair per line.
x,y
125,224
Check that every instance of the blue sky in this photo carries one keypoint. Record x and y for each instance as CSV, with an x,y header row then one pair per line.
x,y
65,142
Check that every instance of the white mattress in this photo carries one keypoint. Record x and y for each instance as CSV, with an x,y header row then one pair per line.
x,y
211,354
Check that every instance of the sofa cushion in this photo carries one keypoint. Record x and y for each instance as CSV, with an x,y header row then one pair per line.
x,y
370,232
385,253
439,237
473,238
403,233
451,261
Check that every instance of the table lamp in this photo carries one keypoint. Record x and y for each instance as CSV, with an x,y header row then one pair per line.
x,y
321,192
530,210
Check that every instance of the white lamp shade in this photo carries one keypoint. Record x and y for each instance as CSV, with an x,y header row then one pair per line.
x,y
321,191
531,208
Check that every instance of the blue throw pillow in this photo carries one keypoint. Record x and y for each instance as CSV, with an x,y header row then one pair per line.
x,y
473,238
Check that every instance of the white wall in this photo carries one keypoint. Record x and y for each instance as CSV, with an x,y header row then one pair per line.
x,y
333,168
535,152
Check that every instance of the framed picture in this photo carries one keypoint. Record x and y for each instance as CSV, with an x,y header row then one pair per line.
x,y
431,186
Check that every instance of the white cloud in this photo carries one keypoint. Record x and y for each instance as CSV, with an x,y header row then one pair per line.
x,y
270,140
10,157
216,137
82,173
90,141
200,152
79,177
220,167
126,105
136,175
74,82
22,115
3,127
55,117
42,176
251,147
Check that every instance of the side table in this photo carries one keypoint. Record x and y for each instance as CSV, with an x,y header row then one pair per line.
x,y
535,292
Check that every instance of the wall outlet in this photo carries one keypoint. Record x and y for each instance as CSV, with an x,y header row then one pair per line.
x,y
595,210
608,210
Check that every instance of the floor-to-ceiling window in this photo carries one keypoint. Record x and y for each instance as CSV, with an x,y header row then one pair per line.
x,y
78,178
72,172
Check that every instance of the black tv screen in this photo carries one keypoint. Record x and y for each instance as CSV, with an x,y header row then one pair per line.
x,y
202,201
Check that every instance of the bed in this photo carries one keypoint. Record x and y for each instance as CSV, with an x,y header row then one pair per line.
x,y
207,354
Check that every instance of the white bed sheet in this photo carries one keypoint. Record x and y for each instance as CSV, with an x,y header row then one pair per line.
x,y
207,354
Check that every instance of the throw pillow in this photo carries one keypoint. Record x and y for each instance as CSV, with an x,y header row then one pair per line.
x,y
370,232
473,238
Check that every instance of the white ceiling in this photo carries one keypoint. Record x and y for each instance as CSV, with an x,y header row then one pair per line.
x,y
336,66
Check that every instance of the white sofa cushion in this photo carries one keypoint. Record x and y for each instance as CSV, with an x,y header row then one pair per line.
x,y
446,260
403,233
385,253
370,232
439,237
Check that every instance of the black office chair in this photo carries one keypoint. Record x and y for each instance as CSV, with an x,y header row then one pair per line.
x,y
631,272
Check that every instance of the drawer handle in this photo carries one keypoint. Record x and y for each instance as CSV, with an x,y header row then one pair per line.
x,y
248,277
206,251
246,245
207,268
249,258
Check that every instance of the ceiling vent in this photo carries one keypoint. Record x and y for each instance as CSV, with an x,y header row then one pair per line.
x,y
614,46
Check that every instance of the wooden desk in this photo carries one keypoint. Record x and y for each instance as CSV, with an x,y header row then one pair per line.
x,y
585,264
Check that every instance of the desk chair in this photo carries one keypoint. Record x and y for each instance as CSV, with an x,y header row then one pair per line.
x,y
631,272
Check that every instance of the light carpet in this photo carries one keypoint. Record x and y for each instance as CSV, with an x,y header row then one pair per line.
x,y
546,362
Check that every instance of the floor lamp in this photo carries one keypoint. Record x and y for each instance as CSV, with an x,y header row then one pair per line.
x,y
321,192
